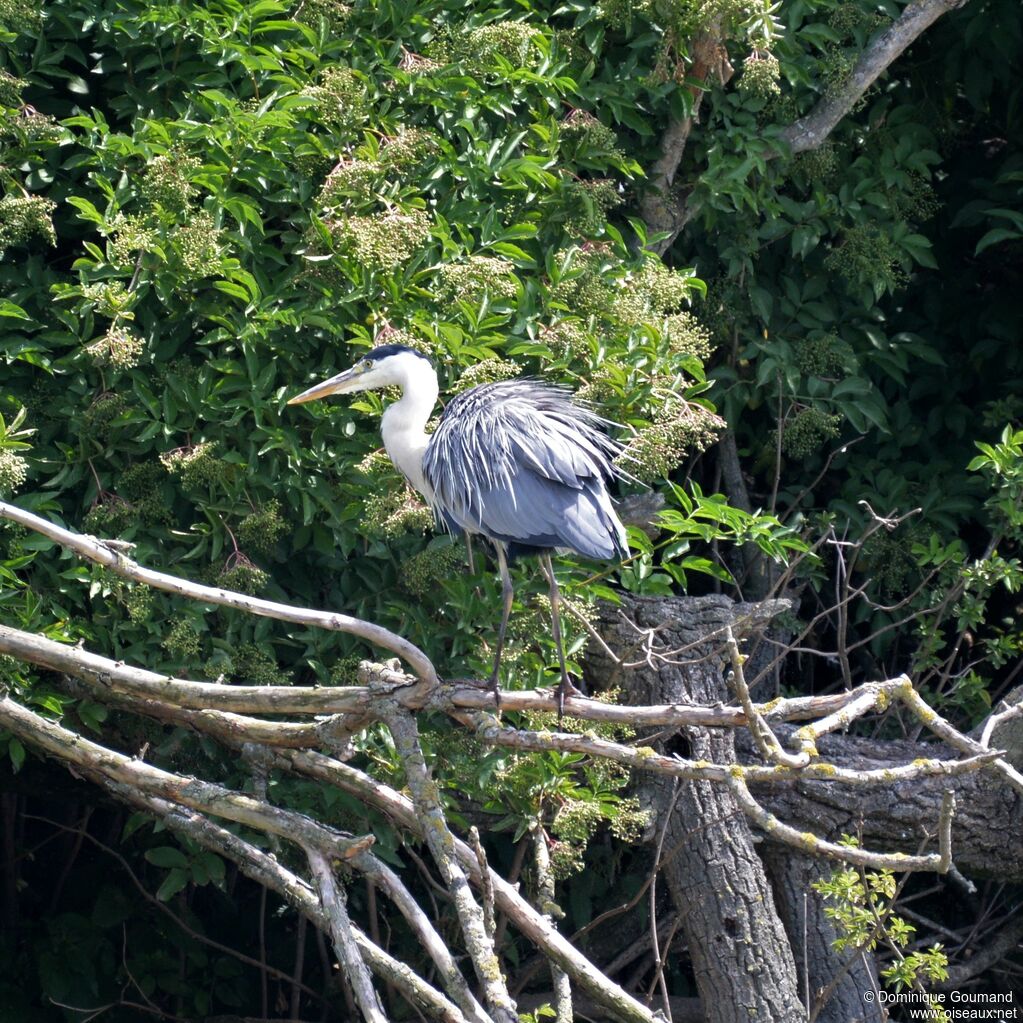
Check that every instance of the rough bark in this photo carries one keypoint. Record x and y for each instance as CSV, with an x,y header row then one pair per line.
x,y
661,208
810,131
811,934
738,947
987,831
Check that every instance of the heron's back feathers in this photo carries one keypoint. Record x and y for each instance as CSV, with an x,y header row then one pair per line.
x,y
522,463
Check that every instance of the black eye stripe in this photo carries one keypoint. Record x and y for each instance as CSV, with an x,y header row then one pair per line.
x,y
385,351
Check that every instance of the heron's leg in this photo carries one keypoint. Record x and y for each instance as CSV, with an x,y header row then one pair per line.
x,y
566,687
468,551
507,594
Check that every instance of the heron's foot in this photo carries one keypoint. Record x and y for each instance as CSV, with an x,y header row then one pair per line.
x,y
495,688
566,688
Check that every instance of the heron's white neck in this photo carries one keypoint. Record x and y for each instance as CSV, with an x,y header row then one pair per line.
x,y
404,423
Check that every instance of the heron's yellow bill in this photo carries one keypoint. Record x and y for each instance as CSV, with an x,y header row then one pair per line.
x,y
335,385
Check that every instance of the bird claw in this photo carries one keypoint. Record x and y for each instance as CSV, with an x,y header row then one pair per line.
x,y
495,688
565,688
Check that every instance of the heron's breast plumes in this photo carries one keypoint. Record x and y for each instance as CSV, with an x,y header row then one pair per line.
x,y
521,462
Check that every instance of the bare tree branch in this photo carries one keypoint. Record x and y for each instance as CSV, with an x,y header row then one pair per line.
x,y
109,676
546,896
238,717
530,923
204,796
333,902
441,843
810,131
108,554
264,868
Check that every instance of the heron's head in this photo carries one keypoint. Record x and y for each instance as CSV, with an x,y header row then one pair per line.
x,y
385,366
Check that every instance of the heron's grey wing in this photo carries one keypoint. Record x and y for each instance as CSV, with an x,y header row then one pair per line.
x,y
519,462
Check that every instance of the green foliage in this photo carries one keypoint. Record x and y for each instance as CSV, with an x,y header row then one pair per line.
x,y
861,903
974,589
207,206
569,795
13,467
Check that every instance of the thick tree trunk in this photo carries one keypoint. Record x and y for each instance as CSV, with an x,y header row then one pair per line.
x,y
811,934
734,934
738,947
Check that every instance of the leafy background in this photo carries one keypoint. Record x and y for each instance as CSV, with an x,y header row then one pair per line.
x,y
207,207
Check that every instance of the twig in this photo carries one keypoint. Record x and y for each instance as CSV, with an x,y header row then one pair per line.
x,y
810,131
441,843
654,944
1005,713
935,863
488,889
548,906
333,902
102,553
765,739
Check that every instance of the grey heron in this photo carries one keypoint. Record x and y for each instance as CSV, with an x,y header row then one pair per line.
x,y
517,461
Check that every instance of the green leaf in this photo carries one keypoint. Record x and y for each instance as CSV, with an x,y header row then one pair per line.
x,y
12,310
168,857
994,237
173,883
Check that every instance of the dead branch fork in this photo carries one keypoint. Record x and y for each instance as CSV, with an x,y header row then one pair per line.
x,y
235,716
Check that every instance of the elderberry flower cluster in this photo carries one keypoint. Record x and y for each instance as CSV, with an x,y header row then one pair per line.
x,y
760,75
20,15
807,431
393,513
350,179
118,348
585,130
10,89
341,96
867,257
409,148
510,40
334,12
182,640
26,216
131,234
655,288
199,245
110,516
823,356
566,338
195,466
99,419
586,290
262,528
383,240
479,276
13,471
421,573
242,575
680,428
685,335
588,203
486,372
167,181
